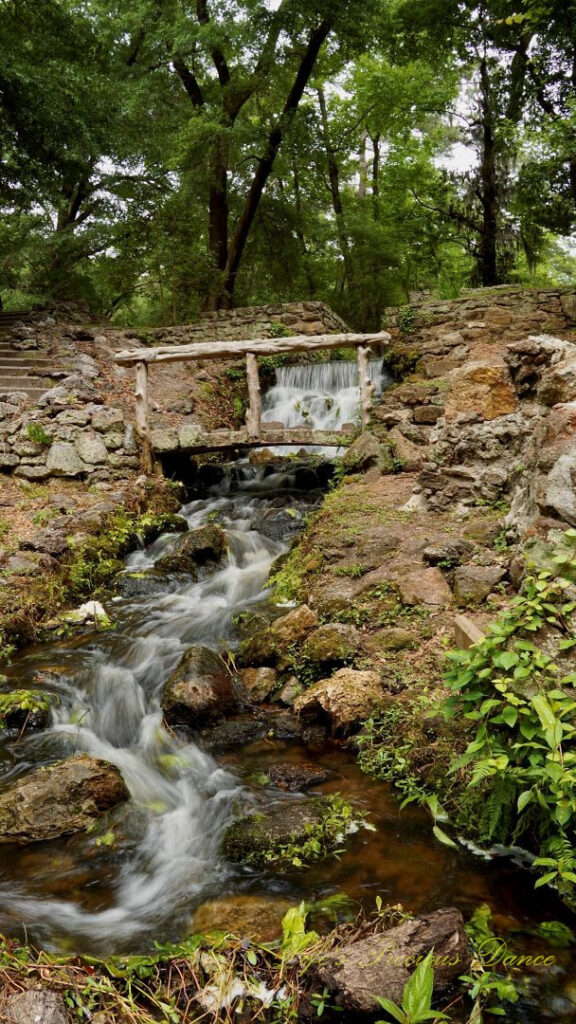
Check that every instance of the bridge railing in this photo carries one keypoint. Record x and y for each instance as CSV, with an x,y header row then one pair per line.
x,y
142,358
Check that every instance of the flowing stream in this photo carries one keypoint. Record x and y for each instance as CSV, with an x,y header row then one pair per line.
x,y
81,893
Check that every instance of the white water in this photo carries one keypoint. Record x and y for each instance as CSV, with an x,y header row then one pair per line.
x,y
319,395
109,688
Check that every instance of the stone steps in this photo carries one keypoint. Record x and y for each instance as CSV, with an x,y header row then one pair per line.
x,y
23,371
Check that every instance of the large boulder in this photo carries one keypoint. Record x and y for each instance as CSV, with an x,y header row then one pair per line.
x,y
362,454
557,491
63,460
347,699
480,388
263,645
295,625
258,683
199,691
59,800
206,544
381,965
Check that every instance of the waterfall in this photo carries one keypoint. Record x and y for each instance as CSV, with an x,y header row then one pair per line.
x,y
323,396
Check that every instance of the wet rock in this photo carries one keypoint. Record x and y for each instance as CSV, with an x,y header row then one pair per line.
x,y
278,524
199,691
381,965
144,584
36,1006
426,586
59,800
233,733
197,547
346,699
258,918
258,683
332,644
251,837
362,454
293,777
473,583
63,460
25,711
448,553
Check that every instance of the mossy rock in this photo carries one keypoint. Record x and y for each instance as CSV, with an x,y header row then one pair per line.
x,y
263,838
393,639
332,644
205,545
152,525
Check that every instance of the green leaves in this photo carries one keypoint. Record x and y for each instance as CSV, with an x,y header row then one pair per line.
x,y
417,997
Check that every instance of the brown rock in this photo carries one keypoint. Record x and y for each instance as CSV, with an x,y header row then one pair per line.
x,y
258,683
348,698
381,965
410,455
295,625
480,388
473,583
296,776
258,918
428,413
466,633
58,800
426,586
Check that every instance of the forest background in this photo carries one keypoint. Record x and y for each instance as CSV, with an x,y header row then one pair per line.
x,y
163,157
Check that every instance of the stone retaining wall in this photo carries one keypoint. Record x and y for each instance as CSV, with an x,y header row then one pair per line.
x,y
256,322
490,311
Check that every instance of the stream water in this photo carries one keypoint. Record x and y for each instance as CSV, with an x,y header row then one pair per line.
x,y
79,893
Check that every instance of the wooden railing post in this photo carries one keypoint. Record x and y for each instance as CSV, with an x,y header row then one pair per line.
x,y
142,417
366,385
254,412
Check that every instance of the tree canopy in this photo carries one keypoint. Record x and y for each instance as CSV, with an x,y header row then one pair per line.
x,y
165,156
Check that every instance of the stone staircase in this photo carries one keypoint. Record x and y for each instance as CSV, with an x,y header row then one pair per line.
x,y
23,372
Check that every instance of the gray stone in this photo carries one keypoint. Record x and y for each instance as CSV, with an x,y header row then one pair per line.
x,y
164,440
107,419
113,441
130,442
73,417
363,453
63,460
32,472
36,1006
190,435
8,461
559,490
91,448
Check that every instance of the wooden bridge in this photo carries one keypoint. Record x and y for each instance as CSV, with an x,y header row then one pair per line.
x,y
254,435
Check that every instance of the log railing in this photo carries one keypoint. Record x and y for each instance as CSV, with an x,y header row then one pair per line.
x,y
142,358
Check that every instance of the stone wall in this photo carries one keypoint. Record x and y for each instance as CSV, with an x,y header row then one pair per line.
x,y
256,322
489,312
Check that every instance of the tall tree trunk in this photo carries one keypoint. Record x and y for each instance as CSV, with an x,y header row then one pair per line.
x,y
375,140
363,169
488,185
299,230
334,182
266,163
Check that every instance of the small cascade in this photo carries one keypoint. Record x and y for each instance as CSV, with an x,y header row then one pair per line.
x,y
323,396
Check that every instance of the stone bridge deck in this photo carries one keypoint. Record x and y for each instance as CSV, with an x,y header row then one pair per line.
x,y
193,441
